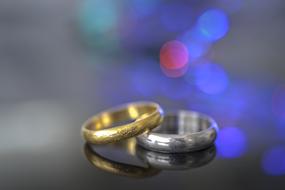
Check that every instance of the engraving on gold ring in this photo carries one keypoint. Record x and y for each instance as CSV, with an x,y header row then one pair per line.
x,y
102,128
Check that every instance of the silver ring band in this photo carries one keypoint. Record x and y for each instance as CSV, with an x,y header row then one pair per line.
x,y
184,131
181,161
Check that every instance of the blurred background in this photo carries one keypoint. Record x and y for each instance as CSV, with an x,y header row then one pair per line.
x,y
62,61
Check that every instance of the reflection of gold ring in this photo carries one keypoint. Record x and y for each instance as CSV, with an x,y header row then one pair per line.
x,y
117,167
143,116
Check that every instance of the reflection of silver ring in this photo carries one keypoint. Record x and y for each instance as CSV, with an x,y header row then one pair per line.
x,y
184,131
180,161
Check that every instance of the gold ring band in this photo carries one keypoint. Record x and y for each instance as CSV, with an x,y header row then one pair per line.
x,y
142,116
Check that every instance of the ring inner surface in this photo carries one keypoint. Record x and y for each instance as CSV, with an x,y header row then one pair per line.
x,y
120,116
183,122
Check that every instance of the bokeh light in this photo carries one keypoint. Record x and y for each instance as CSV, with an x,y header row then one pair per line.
x,y
197,47
98,18
176,16
210,78
173,55
273,161
213,24
231,142
174,73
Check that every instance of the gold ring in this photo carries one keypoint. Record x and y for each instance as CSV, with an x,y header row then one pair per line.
x,y
139,117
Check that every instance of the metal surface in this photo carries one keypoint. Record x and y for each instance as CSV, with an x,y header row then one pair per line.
x,y
141,115
182,132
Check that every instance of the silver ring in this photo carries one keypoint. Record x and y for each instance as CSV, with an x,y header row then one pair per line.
x,y
184,131
181,161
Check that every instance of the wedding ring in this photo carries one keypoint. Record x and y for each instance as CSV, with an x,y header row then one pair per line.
x,y
115,167
122,122
180,161
184,131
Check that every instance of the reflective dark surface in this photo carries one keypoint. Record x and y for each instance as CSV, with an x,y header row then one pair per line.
x,y
60,64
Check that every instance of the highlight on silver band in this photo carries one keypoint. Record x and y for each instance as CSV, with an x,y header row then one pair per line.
x,y
184,131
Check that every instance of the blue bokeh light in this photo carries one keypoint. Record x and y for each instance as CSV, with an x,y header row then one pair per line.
x,y
213,24
273,162
176,16
210,78
197,46
231,142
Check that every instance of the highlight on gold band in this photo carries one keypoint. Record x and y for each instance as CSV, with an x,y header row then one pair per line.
x,y
122,122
